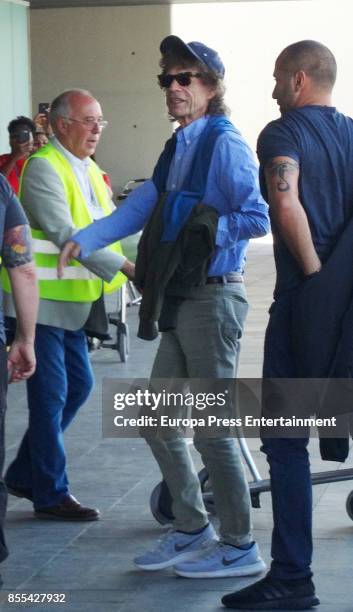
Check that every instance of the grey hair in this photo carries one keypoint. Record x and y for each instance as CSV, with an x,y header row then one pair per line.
x,y
216,105
61,105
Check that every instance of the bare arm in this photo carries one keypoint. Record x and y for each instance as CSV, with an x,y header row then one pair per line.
x,y
17,259
19,151
8,166
282,175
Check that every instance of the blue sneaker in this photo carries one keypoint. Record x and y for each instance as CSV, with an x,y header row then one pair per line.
x,y
223,561
175,547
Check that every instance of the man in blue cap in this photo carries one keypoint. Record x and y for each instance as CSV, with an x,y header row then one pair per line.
x,y
208,170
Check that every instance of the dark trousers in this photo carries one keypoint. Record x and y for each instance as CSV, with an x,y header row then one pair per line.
x,y
288,459
3,492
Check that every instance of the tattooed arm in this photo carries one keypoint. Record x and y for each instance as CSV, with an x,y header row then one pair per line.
x,y
17,259
282,175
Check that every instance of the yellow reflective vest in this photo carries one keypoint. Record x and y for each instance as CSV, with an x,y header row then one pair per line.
x,y
78,283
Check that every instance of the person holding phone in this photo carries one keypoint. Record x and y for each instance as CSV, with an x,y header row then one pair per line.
x,y
22,133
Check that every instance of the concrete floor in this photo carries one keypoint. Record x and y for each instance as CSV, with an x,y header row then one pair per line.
x,y
92,563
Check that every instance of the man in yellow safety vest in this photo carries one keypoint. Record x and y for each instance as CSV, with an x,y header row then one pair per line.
x,y
62,190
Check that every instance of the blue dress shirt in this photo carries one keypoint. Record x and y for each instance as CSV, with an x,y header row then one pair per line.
x,y
232,188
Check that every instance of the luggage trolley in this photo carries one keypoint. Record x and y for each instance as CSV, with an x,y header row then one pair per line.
x,y
161,500
118,317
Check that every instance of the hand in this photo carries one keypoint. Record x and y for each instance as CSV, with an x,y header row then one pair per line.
x,y
21,362
42,121
71,250
313,269
128,269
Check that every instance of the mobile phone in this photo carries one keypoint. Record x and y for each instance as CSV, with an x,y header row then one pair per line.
x,y
23,136
43,108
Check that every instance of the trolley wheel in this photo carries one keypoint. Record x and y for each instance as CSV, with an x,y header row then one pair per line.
x,y
123,343
93,344
161,504
204,480
161,499
255,499
349,505
206,488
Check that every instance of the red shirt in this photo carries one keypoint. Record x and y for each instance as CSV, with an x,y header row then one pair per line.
x,y
105,178
14,176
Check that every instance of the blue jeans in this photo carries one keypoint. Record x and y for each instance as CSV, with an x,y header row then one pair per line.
x,y
60,385
288,459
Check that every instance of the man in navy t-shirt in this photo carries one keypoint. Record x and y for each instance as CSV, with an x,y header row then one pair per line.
x,y
19,363
306,173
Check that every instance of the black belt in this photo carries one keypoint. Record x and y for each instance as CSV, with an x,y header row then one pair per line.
x,y
225,279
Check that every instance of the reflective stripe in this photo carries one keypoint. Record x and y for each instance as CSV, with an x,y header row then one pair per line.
x,y
88,286
44,246
70,273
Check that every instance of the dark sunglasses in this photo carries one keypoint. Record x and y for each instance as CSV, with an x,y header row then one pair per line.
x,y
182,78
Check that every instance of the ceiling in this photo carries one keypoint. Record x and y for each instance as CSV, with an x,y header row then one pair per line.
x,y
47,4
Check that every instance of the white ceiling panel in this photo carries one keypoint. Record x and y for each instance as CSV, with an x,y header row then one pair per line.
x,y
47,4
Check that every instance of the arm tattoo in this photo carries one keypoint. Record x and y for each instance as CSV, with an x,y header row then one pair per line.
x,y
282,170
16,249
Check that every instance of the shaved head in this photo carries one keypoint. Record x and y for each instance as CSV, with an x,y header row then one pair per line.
x,y
314,59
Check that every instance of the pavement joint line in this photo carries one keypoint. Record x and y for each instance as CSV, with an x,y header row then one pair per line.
x,y
54,556
117,503
72,541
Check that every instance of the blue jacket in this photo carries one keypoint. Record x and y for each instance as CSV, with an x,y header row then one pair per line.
x,y
164,251
323,338
179,204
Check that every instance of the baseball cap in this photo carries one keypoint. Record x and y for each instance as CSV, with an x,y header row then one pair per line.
x,y
201,52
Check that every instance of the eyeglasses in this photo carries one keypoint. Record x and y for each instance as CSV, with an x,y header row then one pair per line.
x,y
182,78
90,123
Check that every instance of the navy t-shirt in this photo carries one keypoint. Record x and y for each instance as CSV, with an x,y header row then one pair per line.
x,y
11,214
320,139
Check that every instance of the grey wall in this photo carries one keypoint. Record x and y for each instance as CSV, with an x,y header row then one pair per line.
x,y
114,53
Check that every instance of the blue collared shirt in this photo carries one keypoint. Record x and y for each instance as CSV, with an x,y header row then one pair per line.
x,y
232,188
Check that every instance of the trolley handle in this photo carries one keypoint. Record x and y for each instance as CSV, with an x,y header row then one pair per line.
x,y
129,187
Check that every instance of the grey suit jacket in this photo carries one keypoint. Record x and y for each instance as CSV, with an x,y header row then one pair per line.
x,y
43,199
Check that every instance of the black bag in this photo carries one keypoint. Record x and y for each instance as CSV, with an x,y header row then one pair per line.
x,y
97,323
